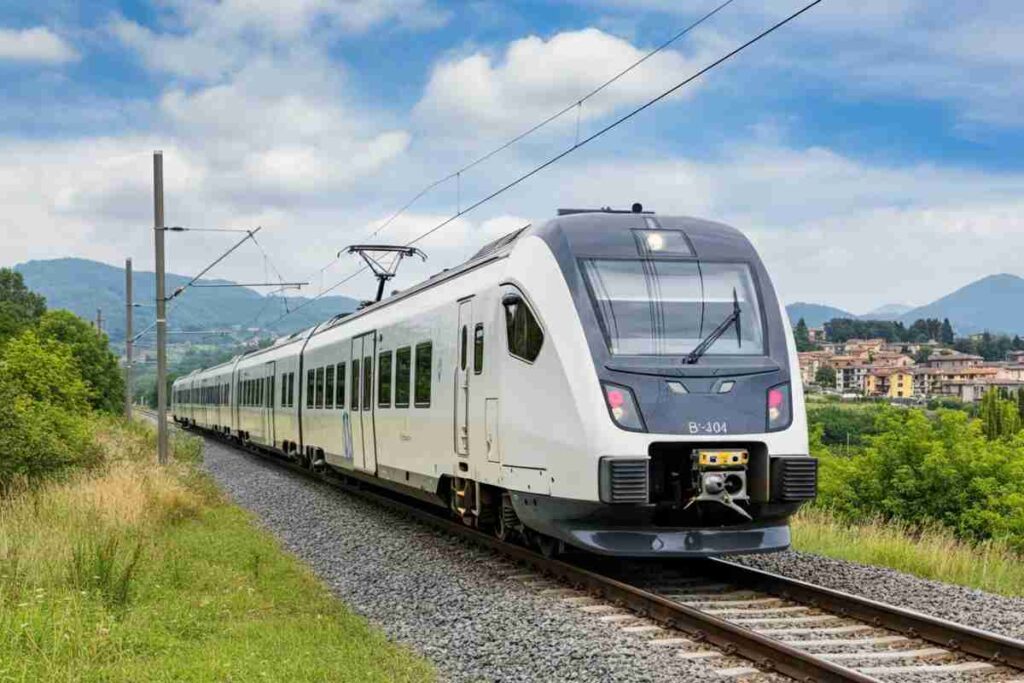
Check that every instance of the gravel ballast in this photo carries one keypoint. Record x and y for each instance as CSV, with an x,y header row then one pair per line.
x,y
451,601
956,603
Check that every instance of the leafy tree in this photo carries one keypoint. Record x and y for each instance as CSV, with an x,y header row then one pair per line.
x,y
1000,417
947,337
923,354
1020,403
802,336
43,425
19,307
825,376
923,471
96,364
1017,344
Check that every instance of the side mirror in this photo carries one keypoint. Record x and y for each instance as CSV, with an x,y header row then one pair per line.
x,y
511,299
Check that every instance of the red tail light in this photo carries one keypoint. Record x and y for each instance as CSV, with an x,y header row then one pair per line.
x,y
623,408
780,412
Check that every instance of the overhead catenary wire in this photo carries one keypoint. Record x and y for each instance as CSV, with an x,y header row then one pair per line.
x,y
581,143
576,105
617,122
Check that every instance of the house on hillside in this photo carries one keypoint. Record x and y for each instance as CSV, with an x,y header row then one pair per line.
x,y
952,360
891,382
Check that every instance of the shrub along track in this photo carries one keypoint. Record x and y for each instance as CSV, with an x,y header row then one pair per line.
x,y
720,609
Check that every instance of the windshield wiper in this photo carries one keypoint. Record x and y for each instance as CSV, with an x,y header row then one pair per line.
x,y
732,319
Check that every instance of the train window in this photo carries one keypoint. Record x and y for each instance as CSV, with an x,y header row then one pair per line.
x,y
462,348
403,371
319,387
384,379
310,387
272,391
354,403
367,381
524,334
284,390
291,389
340,403
478,349
259,391
424,359
329,387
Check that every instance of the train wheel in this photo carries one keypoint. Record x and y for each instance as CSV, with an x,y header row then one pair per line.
x,y
507,524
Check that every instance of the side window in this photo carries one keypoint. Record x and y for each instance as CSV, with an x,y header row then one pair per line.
x,y
341,386
478,349
384,379
424,359
403,372
462,348
319,387
524,334
354,403
367,381
284,390
310,387
329,388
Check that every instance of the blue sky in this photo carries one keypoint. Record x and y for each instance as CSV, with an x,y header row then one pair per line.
x,y
872,150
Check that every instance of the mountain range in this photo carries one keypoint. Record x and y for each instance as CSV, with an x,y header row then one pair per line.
x,y
83,286
994,303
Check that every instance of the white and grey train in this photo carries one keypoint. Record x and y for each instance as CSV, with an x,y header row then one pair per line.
x,y
621,382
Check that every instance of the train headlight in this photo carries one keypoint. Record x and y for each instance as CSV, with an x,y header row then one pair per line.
x,y
623,408
780,409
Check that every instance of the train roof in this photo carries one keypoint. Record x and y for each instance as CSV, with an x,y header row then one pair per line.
x,y
586,231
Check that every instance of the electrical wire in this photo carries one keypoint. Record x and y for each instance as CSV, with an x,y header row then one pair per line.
x,y
558,157
577,105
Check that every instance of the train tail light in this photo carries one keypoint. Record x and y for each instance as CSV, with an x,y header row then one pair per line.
x,y
780,409
623,408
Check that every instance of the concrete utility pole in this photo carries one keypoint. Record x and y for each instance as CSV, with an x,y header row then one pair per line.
x,y
161,308
128,304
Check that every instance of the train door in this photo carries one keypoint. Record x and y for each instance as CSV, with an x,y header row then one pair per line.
x,y
269,375
462,375
361,409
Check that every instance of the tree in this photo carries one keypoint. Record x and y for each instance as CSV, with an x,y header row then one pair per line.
x,y
43,424
947,336
1020,403
802,336
1000,418
922,355
19,306
96,364
825,377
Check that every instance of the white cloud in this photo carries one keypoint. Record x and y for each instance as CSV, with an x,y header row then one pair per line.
x,y
38,44
503,93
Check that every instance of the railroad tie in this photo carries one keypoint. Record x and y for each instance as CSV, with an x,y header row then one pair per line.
x,y
885,654
963,667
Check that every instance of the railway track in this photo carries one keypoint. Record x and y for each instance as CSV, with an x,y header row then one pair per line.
x,y
757,624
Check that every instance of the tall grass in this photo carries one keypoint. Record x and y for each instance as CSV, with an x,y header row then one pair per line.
x,y
932,552
130,571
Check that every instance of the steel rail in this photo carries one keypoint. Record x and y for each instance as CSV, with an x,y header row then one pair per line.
x,y
966,639
765,652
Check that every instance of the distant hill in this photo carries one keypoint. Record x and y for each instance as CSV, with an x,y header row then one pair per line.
x,y
886,312
994,303
82,286
815,315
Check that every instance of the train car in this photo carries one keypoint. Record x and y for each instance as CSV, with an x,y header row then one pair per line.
x,y
620,382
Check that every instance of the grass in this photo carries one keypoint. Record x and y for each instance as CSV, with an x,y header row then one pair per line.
x,y
932,553
133,572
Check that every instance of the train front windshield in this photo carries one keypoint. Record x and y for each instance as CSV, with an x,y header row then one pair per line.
x,y
666,308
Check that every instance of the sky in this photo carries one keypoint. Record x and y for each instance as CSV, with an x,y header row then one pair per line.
x,y
872,150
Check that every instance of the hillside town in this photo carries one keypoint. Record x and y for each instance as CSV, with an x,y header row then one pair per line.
x,y
902,371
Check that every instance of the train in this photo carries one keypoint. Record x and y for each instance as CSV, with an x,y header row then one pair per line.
x,y
617,382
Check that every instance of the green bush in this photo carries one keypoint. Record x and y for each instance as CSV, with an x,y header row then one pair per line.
x,y
44,427
921,470
843,424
